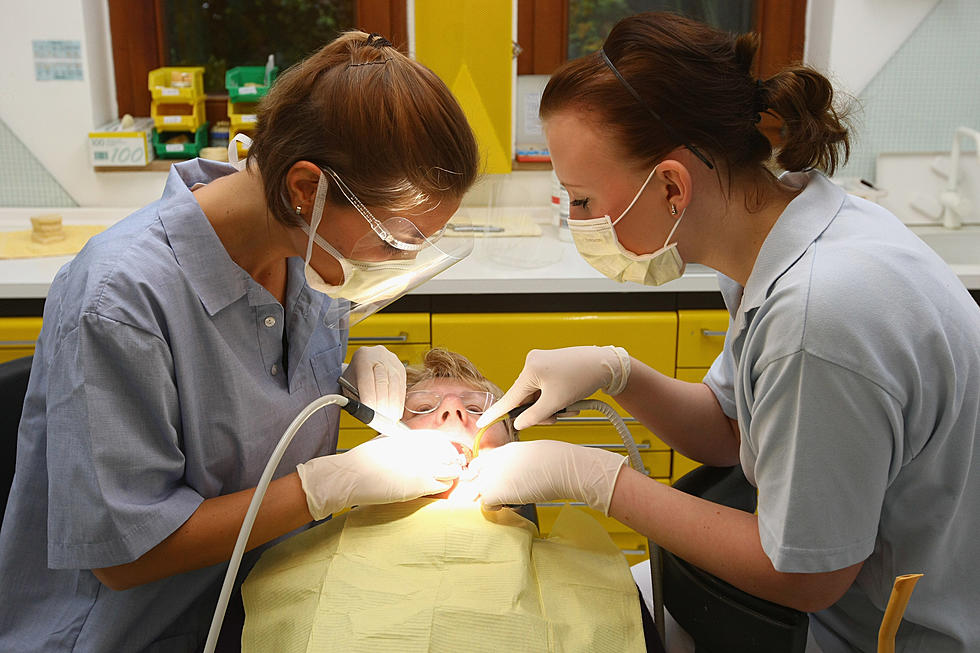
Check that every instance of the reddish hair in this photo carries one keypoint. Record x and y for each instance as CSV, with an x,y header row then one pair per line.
x,y
698,80
387,125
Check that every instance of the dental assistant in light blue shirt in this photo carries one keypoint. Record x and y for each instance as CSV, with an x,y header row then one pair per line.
x,y
180,343
849,385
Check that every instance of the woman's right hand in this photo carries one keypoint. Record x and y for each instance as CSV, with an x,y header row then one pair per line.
x,y
563,376
386,469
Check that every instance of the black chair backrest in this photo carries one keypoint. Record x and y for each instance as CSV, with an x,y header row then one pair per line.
x,y
718,616
13,387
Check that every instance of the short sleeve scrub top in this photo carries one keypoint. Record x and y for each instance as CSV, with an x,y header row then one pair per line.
x,y
164,375
852,363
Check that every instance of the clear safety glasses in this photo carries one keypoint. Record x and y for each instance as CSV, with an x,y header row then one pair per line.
x,y
422,402
398,233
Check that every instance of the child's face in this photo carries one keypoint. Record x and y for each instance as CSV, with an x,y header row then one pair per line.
x,y
452,417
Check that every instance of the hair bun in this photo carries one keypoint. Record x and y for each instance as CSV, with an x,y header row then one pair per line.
x,y
377,40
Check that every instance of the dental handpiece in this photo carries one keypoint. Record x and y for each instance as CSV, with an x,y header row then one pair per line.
x,y
367,415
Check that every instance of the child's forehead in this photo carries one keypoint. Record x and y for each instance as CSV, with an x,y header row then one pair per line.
x,y
443,385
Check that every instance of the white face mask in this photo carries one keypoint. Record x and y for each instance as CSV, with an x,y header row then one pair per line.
x,y
364,281
597,243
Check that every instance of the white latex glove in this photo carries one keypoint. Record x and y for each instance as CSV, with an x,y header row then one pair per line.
x,y
379,378
545,470
382,470
563,376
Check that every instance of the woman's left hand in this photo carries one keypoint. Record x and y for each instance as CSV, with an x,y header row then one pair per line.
x,y
379,378
545,470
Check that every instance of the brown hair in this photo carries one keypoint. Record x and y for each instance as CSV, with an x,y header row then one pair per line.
x,y
439,363
698,80
387,125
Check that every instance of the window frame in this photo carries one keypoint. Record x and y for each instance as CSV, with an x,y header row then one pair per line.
x,y
781,25
136,27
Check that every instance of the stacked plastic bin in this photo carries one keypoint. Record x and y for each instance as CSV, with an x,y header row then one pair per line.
x,y
246,86
177,108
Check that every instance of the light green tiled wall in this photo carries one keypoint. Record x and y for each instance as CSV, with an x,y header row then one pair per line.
x,y
927,89
23,180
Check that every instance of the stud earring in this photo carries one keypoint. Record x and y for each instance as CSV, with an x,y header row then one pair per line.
x,y
299,210
673,210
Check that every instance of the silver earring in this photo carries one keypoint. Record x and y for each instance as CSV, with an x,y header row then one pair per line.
x,y
299,210
673,210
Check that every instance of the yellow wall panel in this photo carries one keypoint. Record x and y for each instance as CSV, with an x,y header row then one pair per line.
x,y
469,44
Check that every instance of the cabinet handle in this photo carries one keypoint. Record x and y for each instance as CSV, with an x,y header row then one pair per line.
x,y
618,445
711,333
589,420
18,343
634,552
399,338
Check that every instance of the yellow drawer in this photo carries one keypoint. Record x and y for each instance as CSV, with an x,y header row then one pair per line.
x,y
655,454
633,545
700,336
692,374
498,343
681,466
18,336
391,329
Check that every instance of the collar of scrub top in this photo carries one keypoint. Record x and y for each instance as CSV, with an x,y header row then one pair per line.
x,y
215,277
801,223
376,225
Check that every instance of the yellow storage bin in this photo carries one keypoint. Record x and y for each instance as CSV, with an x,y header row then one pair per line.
x,y
18,336
177,84
243,115
178,117
700,336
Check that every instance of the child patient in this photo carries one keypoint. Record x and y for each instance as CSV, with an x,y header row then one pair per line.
x,y
447,393
432,575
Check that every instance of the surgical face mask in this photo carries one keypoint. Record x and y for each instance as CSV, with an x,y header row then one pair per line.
x,y
597,242
363,281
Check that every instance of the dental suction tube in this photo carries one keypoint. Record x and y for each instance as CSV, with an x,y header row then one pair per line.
x,y
363,413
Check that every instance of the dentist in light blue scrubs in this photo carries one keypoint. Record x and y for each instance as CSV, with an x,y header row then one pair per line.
x,y
849,385
179,344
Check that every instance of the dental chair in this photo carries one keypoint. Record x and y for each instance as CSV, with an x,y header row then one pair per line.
x,y
718,616
13,388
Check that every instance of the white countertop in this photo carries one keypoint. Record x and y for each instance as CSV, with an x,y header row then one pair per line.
x,y
542,264
547,265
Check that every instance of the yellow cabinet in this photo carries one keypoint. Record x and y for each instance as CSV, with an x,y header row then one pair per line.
x,y
497,343
18,336
700,336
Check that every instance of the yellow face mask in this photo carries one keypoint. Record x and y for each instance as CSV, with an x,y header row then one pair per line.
x,y
597,243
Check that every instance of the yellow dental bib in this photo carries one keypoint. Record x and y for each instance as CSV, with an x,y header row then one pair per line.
x,y
427,575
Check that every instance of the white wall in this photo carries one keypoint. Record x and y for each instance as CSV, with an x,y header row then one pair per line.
x,y
850,40
53,118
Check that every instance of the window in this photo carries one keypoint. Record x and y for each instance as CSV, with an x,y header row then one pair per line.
x,y
148,34
222,34
550,31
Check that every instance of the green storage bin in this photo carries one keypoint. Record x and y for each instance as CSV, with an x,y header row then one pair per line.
x,y
247,83
189,150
